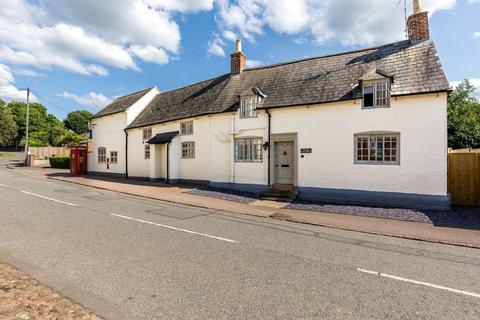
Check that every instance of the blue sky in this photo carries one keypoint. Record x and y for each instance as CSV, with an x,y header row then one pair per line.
x,y
82,54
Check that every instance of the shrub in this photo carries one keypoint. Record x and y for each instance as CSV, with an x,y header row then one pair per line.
x,y
60,162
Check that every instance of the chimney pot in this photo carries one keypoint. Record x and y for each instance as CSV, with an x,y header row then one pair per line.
x,y
239,46
238,59
417,6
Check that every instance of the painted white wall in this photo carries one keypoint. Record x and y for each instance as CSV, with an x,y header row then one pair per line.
x,y
329,130
108,132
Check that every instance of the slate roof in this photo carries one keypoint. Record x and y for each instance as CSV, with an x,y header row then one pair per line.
x,y
163,138
121,104
414,66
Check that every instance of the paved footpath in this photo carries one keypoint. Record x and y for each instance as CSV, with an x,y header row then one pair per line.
x,y
126,257
402,229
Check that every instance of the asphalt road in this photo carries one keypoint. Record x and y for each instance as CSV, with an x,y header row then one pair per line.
x,y
133,258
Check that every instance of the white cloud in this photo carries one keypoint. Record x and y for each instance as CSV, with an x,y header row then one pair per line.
x,y
85,36
92,99
253,63
215,47
348,22
476,35
182,5
8,91
474,82
150,54
28,73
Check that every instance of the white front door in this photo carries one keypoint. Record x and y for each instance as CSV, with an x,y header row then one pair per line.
x,y
284,162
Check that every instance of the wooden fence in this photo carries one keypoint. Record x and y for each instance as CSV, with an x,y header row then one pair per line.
x,y
464,177
46,152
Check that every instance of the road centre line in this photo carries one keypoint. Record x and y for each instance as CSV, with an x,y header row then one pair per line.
x,y
47,198
174,228
431,285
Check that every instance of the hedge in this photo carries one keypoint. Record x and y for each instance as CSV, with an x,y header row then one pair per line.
x,y
60,162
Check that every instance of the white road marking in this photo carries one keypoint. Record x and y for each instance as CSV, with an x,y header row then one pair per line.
x,y
431,285
3,185
173,228
47,198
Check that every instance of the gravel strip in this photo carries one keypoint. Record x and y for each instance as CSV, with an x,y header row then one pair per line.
x,y
460,217
22,297
387,213
230,195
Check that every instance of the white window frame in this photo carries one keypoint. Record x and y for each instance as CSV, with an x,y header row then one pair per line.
x,y
114,157
146,151
186,128
249,149
379,94
188,150
102,155
382,148
248,106
147,134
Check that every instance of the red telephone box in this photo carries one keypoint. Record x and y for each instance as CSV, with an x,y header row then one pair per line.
x,y
78,160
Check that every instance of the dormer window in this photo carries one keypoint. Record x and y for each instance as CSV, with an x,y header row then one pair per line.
x,y
376,94
248,106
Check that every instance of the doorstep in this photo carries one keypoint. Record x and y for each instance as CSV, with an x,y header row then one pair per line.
x,y
272,209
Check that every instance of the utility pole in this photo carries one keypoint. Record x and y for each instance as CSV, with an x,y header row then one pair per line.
x,y
27,162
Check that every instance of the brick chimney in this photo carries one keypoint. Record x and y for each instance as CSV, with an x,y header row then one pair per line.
x,y
238,59
417,23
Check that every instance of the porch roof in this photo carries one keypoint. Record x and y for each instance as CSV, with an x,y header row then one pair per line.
x,y
163,138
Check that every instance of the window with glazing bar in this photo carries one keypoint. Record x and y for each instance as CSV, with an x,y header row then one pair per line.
x,y
186,128
113,156
147,134
188,150
147,151
248,150
102,155
248,106
377,149
376,94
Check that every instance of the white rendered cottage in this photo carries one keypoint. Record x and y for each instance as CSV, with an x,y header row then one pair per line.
x,y
361,127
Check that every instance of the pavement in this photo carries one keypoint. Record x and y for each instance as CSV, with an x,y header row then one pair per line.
x,y
130,257
461,235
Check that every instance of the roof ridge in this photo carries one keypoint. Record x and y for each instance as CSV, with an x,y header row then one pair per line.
x,y
193,84
131,94
328,55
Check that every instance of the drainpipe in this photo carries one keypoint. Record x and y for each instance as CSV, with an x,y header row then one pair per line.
x,y
126,153
232,150
168,164
269,143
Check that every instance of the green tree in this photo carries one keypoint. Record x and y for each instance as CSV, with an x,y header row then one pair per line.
x,y
43,127
69,139
8,127
77,121
463,117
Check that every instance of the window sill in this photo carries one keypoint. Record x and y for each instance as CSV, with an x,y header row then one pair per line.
x,y
382,107
377,163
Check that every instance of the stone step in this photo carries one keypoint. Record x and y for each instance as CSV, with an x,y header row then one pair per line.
x,y
278,199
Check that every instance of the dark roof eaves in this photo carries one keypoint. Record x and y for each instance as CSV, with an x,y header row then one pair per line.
x,y
95,116
285,106
176,119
